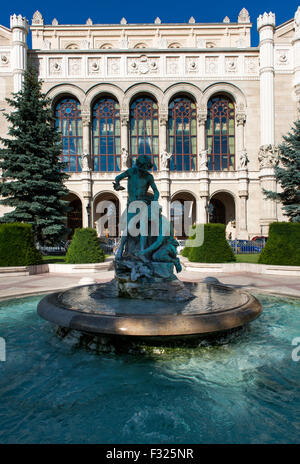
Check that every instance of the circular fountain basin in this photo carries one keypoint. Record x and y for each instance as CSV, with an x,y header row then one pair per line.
x,y
97,309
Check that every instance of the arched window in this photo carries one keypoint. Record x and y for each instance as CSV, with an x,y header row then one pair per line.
x,y
183,135
106,135
220,134
144,129
68,122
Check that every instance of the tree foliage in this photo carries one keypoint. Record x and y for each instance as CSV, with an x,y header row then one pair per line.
x,y
287,173
33,181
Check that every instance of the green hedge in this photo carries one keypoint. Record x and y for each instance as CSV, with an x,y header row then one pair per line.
x,y
17,245
283,245
215,248
84,248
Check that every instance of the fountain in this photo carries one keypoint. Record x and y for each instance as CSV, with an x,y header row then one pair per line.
x,y
146,299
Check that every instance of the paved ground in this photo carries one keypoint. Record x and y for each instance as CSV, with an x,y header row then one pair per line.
x,y
44,283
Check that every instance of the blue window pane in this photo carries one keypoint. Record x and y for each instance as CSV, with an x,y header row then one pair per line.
x,y
96,163
172,163
110,145
65,144
217,163
103,146
110,163
141,148
217,145
224,144
73,163
186,144
210,162
186,160
179,163
224,162
72,146
148,150
179,146
103,162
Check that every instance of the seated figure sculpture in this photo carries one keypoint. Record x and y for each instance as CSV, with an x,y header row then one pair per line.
x,y
144,264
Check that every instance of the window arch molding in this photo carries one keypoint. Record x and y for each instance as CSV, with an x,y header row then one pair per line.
x,y
102,90
140,90
65,91
184,88
232,91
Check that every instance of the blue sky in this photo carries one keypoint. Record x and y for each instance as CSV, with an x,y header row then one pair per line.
x,y
73,12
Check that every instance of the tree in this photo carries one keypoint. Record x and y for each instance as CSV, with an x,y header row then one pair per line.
x,y
32,178
287,173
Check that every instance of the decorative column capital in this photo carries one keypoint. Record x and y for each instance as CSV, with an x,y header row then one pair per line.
x,y
240,119
124,119
202,117
86,119
163,119
243,193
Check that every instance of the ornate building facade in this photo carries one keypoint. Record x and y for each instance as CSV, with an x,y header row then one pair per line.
x,y
209,108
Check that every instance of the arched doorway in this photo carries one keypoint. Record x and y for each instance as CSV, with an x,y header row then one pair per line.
x,y
183,214
106,215
74,216
222,211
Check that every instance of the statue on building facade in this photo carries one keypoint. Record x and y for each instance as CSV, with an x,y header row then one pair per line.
x,y
164,159
203,160
243,160
124,158
85,162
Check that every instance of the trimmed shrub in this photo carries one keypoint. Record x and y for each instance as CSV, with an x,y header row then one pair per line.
x,y
17,245
85,248
215,248
283,245
186,251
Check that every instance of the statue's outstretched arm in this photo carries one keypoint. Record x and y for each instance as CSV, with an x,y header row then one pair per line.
x,y
121,176
155,189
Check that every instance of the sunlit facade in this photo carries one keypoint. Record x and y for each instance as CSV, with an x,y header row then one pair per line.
x,y
205,105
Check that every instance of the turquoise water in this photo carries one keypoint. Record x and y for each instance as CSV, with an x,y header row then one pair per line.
x,y
243,390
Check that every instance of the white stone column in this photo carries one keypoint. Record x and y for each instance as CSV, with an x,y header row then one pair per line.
x,y
164,174
202,200
296,47
86,174
19,27
265,27
267,150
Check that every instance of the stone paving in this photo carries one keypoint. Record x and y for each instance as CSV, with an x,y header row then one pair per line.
x,y
44,283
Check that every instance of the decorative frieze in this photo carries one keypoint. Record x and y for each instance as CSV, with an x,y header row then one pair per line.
x,y
142,65
172,65
231,64
192,64
74,66
251,64
5,59
94,66
55,66
211,64
113,66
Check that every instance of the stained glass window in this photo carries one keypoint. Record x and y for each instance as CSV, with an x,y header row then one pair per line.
x,y
68,122
144,130
220,134
106,135
183,135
